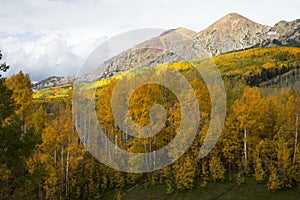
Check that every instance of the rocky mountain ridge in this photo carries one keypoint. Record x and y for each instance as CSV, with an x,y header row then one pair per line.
x,y
282,33
232,32
53,82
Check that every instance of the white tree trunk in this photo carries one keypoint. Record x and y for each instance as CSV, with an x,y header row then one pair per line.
x,y
245,143
296,138
67,173
62,158
55,155
116,143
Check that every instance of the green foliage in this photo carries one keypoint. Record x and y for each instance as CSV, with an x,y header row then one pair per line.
x,y
16,139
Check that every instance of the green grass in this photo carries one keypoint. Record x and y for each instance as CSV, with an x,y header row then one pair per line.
x,y
251,189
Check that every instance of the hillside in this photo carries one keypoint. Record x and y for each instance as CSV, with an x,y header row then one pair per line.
x,y
276,66
155,122
282,33
269,162
55,160
53,82
179,42
213,191
232,32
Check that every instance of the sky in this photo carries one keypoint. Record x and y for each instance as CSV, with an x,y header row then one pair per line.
x,y
54,37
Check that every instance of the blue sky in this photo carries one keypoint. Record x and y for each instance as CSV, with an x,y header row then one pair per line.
x,y
53,37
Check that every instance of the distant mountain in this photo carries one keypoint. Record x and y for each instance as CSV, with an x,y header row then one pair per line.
x,y
232,32
151,53
53,82
282,33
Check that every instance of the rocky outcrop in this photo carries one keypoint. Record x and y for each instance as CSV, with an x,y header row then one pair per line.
x,y
232,32
282,33
172,45
53,82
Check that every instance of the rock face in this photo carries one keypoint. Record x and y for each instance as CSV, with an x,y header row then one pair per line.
x,y
172,45
231,32
282,33
53,82
288,32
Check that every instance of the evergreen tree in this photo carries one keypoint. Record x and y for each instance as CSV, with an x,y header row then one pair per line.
x,y
16,146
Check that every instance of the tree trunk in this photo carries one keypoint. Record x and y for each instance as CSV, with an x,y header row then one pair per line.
x,y
245,144
67,173
40,190
116,143
146,157
61,190
55,155
229,171
62,158
296,138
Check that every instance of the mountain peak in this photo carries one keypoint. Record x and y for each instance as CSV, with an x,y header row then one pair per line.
x,y
231,32
185,31
234,16
181,30
53,82
231,19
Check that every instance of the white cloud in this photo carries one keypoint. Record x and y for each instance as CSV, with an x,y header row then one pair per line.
x,y
48,55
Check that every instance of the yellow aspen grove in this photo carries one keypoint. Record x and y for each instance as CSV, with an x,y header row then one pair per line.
x,y
21,86
216,168
45,148
274,182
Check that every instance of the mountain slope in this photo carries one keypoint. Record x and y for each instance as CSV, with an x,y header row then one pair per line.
x,y
282,33
261,67
231,32
53,82
171,46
